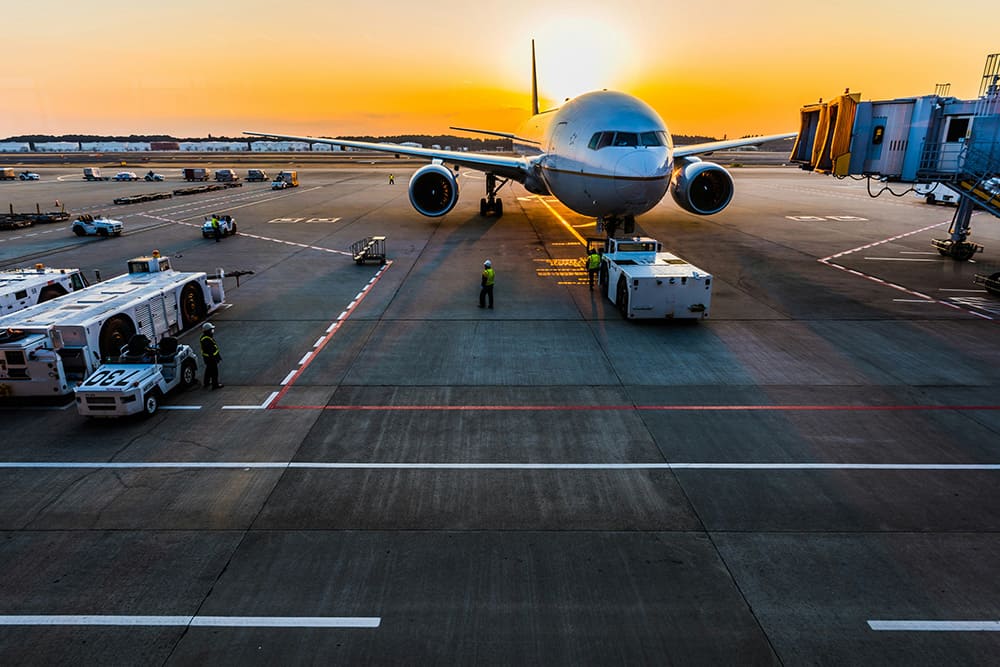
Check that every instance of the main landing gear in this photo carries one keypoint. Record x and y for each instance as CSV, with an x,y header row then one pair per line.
x,y
491,204
957,247
610,224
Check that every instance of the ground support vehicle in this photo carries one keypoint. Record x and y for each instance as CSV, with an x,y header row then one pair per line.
x,y
256,175
126,176
153,176
226,176
22,288
197,174
28,176
933,193
370,249
94,174
7,174
138,199
138,380
88,225
285,179
645,283
227,226
47,349
990,283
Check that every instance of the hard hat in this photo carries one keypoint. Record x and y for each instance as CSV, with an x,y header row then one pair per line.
x,y
208,326
487,264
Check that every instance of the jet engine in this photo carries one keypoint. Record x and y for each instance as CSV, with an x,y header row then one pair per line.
x,y
433,190
700,187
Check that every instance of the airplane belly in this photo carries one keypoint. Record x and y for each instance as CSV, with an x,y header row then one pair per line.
x,y
636,191
585,194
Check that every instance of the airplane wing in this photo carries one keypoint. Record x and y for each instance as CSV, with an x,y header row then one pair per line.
x,y
711,146
514,168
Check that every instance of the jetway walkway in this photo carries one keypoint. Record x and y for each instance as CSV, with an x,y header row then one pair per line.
x,y
928,139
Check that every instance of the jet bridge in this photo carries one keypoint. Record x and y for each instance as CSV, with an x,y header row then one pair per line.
x,y
927,139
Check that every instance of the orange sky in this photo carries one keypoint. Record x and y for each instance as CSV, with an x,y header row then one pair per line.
x,y
193,68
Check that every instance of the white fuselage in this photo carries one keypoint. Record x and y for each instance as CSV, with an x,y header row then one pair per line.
x,y
602,154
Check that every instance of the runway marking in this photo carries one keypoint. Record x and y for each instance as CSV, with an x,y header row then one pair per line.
x,y
955,289
903,259
655,408
195,621
828,261
912,301
362,465
262,406
563,221
318,346
934,626
180,407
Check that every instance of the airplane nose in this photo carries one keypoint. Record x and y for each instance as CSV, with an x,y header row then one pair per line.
x,y
633,173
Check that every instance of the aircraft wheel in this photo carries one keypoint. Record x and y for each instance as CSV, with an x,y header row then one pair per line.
x,y
482,207
499,208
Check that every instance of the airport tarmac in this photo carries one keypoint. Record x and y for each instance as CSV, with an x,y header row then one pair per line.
x,y
393,475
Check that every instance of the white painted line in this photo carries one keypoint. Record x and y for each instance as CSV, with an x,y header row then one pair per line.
x,y
915,301
305,358
351,304
359,295
902,259
318,465
180,407
196,621
947,289
935,626
288,378
270,398
262,406
319,341
339,317
915,252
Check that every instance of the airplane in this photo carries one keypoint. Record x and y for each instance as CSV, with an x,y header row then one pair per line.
x,y
603,154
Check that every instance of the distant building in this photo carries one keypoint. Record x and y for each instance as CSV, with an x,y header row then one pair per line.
x,y
214,146
57,146
114,146
14,147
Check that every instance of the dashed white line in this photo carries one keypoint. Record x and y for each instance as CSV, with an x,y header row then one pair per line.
x,y
288,378
305,358
194,621
935,626
319,465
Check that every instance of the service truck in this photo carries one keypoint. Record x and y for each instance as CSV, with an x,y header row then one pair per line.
x,y
22,288
227,176
94,174
645,283
47,349
138,379
285,179
197,174
7,174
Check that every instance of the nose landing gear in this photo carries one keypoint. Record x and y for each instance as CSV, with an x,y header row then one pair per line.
x,y
610,224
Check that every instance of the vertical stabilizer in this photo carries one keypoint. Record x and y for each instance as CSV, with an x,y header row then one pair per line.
x,y
534,82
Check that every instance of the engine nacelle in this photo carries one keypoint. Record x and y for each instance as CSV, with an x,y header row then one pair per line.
x,y
433,190
700,187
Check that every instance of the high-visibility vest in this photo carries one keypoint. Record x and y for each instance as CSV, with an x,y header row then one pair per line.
x,y
593,260
489,276
209,348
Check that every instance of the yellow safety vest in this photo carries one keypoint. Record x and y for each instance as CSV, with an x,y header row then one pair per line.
x,y
489,276
593,260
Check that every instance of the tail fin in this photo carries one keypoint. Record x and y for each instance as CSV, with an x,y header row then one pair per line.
x,y
534,82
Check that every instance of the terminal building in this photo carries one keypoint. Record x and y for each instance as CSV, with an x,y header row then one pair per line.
x,y
928,139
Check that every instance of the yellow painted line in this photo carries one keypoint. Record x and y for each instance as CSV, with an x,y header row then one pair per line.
x,y
565,224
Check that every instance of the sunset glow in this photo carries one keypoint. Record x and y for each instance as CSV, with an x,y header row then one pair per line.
x,y
189,68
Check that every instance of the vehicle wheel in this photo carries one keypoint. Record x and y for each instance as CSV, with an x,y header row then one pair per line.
x,y
102,232
931,199
151,403
115,334
602,277
189,373
51,292
193,309
235,230
621,296
499,208
482,207
79,230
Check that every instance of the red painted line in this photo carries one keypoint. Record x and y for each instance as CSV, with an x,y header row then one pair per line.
x,y
326,339
653,408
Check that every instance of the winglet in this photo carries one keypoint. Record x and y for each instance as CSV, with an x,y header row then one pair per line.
x,y
534,82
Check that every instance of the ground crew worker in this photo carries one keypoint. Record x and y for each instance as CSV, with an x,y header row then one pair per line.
x,y
210,353
489,277
392,179
217,229
593,262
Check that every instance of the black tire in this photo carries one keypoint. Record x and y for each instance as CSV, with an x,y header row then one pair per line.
x,y
50,292
962,252
189,373
621,296
482,207
79,230
498,208
115,334
931,199
151,403
102,232
602,277
235,231
193,309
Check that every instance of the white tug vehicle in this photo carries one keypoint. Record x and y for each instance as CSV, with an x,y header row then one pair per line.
x,y
139,380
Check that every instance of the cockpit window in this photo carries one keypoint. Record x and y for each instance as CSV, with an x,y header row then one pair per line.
x,y
627,139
